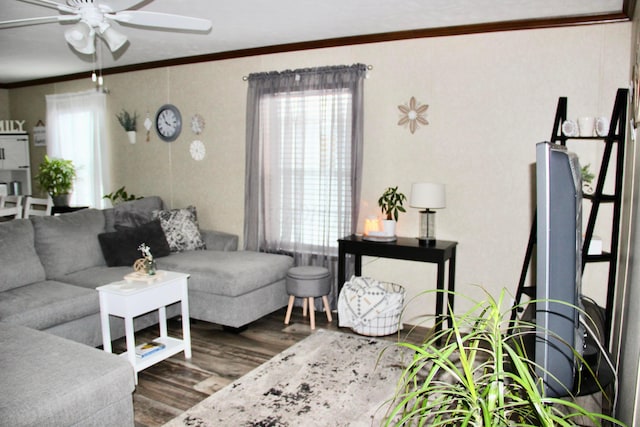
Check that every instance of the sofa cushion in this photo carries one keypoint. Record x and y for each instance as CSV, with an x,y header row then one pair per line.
x,y
48,380
219,240
19,262
93,277
181,228
228,273
46,304
69,242
120,248
132,213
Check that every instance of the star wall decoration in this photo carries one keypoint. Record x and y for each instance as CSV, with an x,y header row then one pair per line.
x,y
413,115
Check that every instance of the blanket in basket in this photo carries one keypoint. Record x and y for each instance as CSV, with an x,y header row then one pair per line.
x,y
371,307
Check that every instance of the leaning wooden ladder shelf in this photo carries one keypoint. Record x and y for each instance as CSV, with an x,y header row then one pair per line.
x,y
616,135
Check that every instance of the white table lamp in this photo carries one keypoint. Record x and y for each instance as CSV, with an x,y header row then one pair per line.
x,y
427,196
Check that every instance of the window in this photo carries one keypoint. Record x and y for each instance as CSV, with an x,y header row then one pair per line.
x,y
75,131
305,139
304,162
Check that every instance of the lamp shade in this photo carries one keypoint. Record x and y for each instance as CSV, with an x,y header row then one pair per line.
x,y
427,195
81,38
114,39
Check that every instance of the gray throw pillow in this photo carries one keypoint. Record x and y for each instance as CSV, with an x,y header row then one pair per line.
x,y
181,229
132,213
135,212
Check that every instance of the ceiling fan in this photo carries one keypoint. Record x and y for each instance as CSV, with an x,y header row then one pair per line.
x,y
95,17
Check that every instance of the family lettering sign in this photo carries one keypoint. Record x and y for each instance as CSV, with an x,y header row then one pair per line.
x,y
12,126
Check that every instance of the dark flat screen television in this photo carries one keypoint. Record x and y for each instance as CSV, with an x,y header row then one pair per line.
x,y
558,267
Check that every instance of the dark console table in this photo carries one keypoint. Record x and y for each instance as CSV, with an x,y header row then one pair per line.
x,y
405,248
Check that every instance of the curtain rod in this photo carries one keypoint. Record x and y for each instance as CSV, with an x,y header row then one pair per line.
x,y
369,68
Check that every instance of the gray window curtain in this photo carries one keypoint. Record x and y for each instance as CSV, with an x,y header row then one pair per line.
x,y
304,162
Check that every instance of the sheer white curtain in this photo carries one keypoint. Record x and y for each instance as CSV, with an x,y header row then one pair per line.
x,y
76,131
307,170
304,157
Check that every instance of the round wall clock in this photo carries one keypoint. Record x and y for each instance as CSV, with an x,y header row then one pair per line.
x,y
168,122
197,124
197,150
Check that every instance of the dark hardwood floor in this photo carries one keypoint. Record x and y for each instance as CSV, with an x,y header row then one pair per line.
x,y
167,389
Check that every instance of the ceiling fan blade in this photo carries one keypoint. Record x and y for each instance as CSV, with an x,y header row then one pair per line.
x,y
118,5
39,20
54,4
161,20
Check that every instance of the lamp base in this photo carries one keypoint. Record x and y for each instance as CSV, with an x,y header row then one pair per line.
x,y
427,235
426,242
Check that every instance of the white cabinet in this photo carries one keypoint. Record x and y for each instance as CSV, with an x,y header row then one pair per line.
x,y
14,151
14,161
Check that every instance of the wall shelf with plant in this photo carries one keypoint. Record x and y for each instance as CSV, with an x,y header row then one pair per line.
x,y
128,122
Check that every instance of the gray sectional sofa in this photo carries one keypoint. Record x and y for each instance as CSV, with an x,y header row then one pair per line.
x,y
50,267
52,381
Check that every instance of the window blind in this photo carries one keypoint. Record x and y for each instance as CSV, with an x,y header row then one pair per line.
x,y
306,145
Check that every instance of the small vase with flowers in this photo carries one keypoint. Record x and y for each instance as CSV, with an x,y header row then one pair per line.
x,y
148,263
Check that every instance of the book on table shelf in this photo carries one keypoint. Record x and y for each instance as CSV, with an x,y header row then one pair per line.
x,y
148,348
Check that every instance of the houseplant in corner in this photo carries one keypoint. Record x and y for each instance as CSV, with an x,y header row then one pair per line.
x,y
477,373
56,176
391,205
119,196
128,122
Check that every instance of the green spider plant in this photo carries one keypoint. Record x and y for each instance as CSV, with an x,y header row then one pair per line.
x,y
477,373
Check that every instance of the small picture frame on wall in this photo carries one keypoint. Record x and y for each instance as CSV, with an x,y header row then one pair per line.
x,y
39,134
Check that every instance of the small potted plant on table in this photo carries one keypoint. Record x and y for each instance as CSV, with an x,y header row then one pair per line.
x,y
56,176
391,204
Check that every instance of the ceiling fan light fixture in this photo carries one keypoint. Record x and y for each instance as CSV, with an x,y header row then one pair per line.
x,y
114,39
81,38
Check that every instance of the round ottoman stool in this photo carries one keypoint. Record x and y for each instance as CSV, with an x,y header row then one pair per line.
x,y
308,283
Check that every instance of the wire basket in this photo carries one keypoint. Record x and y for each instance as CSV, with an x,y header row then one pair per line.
x,y
377,319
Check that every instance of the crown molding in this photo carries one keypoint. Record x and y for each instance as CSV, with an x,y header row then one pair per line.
x,y
623,16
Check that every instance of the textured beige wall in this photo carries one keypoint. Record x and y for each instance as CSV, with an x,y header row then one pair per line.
x,y
4,104
491,98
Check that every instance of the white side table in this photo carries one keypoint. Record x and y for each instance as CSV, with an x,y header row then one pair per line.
x,y
129,300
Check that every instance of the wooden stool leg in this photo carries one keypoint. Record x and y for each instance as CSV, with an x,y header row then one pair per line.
x,y
304,307
292,299
325,300
312,313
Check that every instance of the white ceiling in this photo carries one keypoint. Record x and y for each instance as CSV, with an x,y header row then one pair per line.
x,y
40,51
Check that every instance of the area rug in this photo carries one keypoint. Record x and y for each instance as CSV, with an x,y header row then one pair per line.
x,y
328,379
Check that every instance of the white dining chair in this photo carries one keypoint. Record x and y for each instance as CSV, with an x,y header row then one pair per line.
x,y
34,206
10,207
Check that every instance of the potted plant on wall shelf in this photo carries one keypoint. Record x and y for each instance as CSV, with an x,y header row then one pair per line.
x,y
128,122
391,204
587,179
55,176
